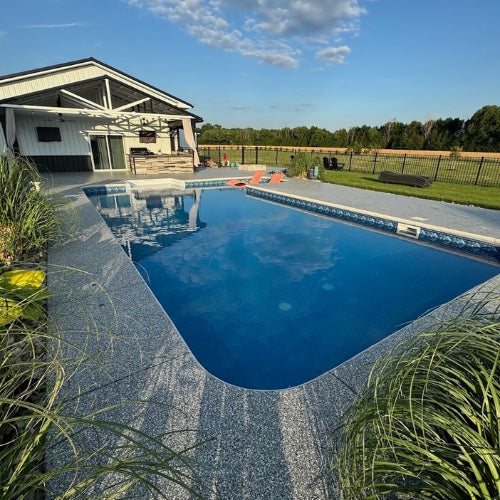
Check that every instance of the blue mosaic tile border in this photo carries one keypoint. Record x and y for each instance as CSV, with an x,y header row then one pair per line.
x,y
103,190
438,238
201,184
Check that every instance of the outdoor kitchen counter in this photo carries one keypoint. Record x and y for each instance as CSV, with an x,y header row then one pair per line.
x,y
159,164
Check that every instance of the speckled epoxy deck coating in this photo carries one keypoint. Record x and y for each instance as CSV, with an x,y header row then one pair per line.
x,y
267,444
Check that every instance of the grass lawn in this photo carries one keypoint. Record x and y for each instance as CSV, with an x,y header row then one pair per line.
x,y
464,194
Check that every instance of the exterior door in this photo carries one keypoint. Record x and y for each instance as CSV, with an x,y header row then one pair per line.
x,y
107,152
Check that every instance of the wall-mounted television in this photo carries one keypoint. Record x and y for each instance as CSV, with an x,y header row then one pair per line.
x,y
48,134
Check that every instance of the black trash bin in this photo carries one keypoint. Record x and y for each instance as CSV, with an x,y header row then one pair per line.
x,y
310,173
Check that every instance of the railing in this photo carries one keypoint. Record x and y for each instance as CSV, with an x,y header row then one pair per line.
x,y
455,169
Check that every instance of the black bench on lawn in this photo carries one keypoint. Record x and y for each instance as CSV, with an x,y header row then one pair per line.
x,y
407,179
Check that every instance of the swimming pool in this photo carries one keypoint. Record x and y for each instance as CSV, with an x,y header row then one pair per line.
x,y
267,297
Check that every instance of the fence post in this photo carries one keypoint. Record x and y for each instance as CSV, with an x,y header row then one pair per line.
x,y
242,155
218,149
479,170
276,160
350,161
403,166
256,154
375,162
437,167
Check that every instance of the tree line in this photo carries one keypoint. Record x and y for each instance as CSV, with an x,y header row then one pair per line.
x,y
479,133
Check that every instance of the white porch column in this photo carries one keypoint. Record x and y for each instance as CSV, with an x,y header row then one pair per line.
x,y
10,133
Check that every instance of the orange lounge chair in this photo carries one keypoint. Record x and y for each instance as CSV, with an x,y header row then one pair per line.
x,y
256,177
235,182
275,178
254,180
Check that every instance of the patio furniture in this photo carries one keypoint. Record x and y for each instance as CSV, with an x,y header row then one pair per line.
x,y
239,183
332,164
275,178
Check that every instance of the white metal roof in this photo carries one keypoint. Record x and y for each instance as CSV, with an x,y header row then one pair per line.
x,y
88,87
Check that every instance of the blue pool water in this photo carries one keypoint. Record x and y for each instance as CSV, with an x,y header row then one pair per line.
x,y
267,297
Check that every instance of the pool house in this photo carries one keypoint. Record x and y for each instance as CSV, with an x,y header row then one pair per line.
x,y
87,116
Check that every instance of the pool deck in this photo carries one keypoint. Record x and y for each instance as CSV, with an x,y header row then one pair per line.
x,y
268,444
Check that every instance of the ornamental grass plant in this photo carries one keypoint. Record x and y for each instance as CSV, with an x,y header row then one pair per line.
x,y
30,216
427,424
37,363
36,412
301,163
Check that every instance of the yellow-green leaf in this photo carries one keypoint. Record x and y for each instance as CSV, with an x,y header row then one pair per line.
x,y
9,311
19,278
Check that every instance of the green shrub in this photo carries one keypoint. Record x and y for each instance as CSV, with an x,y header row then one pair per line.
x,y
301,163
428,423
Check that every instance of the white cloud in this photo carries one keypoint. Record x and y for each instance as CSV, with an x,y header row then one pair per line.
x,y
275,32
333,55
51,26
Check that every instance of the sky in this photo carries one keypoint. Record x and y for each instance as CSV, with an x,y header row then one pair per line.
x,y
277,63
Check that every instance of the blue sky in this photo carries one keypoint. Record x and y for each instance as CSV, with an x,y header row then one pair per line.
x,y
277,63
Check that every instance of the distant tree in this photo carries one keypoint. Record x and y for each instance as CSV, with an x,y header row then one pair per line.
x,y
244,136
368,137
446,134
398,130
266,137
213,134
413,137
386,132
320,137
301,136
427,130
341,138
482,131
286,137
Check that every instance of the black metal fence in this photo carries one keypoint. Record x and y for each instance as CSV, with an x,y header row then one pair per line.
x,y
456,169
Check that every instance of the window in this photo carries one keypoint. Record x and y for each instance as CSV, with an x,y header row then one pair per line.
x,y
48,134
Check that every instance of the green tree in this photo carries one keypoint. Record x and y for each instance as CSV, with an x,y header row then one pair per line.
x,y
369,137
386,131
301,136
482,131
398,130
445,134
320,137
413,137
